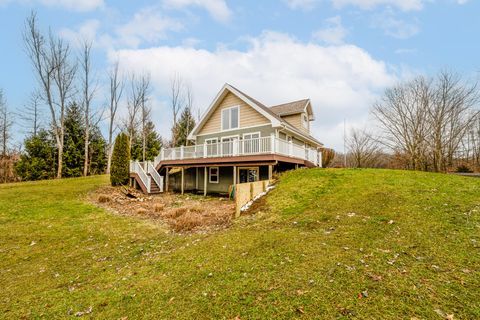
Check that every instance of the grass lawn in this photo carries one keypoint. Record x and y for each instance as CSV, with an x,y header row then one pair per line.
x,y
328,244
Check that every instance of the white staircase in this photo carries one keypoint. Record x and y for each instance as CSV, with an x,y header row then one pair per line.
x,y
146,175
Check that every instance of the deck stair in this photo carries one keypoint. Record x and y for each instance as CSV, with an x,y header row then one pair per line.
x,y
146,176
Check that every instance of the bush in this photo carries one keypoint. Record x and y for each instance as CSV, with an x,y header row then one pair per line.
x,y
120,170
463,169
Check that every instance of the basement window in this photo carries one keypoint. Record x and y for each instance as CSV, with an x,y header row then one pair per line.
x,y
213,176
230,117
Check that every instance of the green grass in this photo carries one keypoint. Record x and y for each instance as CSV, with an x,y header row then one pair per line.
x,y
410,240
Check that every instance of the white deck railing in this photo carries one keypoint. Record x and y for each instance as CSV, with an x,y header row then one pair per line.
x,y
257,146
137,167
155,175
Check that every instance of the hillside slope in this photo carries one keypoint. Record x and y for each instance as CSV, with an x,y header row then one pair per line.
x,y
327,244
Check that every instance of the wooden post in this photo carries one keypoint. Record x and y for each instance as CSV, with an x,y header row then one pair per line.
x,y
270,172
234,175
296,166
196,178
166,179
183,170
205,182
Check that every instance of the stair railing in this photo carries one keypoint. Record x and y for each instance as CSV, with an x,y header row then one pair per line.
x,y
155,175
136,167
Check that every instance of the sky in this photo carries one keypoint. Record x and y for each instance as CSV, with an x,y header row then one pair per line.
x,y
342,54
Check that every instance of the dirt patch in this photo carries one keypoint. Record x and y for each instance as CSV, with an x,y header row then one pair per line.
x,y
187,213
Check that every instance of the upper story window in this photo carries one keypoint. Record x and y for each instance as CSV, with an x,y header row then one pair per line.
x,y
305,120
230,117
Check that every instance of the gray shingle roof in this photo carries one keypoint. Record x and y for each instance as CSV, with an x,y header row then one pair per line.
x,y
290,107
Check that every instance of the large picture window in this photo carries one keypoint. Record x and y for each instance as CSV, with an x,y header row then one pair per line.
x,y
230,118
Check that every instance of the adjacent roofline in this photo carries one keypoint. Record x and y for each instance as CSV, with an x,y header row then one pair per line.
x,y
226,87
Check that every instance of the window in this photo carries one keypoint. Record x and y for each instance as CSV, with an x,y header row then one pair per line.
x,y
213,175
229,145
305,120
248,174
230,118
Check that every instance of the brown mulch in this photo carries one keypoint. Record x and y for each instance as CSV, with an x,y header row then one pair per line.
x,y
182,213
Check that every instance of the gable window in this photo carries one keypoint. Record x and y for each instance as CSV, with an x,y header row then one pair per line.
x,y
213,175
230,118
305,120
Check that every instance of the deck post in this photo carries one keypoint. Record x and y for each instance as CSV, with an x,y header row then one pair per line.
x,y
272,142
183,179
181,152
270,172
166,179
205,182
196,178
162,154
290,148
234,175
204,150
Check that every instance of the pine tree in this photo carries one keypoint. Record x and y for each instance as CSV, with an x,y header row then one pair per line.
x,y
39,158
73,155
183,127
97,152
120,170
153,144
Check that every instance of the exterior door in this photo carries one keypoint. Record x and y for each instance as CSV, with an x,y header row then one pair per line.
x,y
247,175
229,146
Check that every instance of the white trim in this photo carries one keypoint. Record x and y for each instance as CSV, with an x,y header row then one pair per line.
x,y
226,137
230,118
211,139
256,132
244,128
274,121
210,174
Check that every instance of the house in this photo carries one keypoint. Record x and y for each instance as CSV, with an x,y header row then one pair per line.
x,y
237,140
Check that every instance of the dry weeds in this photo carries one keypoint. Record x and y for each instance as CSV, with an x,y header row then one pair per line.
x,y
187,213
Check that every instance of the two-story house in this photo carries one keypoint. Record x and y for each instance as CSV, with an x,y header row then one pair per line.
x,y
237,140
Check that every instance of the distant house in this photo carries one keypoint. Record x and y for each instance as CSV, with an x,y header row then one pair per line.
x,y
237,140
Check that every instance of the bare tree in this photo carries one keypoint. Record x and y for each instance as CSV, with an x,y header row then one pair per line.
x,y
177,100
88,92
363,149
403,116
31,115
116,91
189,106
6,123
145,115
55,74
137,107
451,115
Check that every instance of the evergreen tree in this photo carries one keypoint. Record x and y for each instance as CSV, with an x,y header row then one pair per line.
x,y
120,170
183,127
153,144
73,155
97,152
38,160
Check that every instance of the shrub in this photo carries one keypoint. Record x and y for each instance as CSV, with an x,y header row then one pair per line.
x,y
103,198
119,172
158,207
187,222
463,169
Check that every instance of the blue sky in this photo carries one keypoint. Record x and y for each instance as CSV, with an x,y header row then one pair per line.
x,y
340,53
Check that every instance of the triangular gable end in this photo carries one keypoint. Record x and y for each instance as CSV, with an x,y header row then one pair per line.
x,y
218,100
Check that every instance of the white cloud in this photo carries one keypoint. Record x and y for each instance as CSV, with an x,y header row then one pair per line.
x,y
302,4
342,81
147,26
333,31
395,27
405,5
74,5
86,31
218,9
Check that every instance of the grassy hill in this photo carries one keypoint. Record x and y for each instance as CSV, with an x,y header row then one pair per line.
x,y
327,244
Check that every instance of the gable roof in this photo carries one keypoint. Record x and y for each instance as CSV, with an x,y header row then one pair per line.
x,y
275,119
290,107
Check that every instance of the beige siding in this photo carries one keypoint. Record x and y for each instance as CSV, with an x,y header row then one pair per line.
x,y
296,121
248,116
